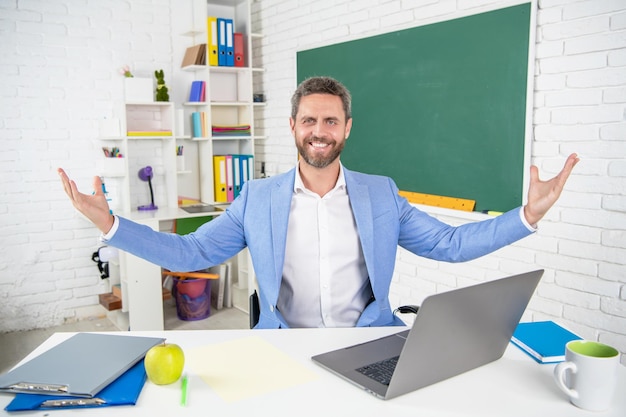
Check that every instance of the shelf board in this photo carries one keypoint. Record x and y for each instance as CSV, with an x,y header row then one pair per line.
x,y
148,103
192,68
230,103
195,103
223,69
149,137
231,137
193,33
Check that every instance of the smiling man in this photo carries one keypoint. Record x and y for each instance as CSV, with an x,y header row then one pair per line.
x,y
322,238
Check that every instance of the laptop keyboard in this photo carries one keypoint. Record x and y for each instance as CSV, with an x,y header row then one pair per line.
x,y
380,371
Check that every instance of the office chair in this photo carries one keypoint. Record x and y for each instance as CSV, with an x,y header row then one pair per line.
x,y
255,309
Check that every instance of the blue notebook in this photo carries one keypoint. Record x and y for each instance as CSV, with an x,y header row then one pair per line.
x,y
544,341
124,390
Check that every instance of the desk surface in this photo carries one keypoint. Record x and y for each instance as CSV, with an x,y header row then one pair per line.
x,y
512,386
170,213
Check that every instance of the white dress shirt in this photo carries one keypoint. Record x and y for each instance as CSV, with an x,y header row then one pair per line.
x,y
325,280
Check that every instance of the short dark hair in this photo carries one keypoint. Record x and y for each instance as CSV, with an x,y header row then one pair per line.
x,y
322,85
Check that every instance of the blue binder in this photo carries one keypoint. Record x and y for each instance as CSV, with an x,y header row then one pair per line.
x,y
230,48
221,42
124,390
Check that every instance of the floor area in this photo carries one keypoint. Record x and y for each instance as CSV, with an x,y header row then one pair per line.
x,y
16,345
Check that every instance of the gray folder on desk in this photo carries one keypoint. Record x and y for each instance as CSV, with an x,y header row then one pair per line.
x,y
80,366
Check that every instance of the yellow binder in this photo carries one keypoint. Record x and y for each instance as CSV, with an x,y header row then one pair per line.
x,y
212,41
219,178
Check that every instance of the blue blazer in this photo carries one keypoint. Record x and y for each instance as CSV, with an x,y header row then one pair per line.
x,y
258,219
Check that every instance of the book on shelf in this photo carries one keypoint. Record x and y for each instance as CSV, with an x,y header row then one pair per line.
x,y
149,133
544,341
197,91
194,55
199,124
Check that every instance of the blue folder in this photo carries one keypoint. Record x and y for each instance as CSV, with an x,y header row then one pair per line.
x,y
544,341
124,390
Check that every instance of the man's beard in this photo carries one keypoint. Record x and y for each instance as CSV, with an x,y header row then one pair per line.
x,y
319,161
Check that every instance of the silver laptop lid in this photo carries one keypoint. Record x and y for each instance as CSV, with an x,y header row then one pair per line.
x,y
460,330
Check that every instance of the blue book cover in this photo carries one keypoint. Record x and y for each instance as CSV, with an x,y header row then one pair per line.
x,y
196,124
544,341
195,93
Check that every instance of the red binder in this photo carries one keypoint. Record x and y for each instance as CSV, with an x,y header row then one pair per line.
x,y
238,47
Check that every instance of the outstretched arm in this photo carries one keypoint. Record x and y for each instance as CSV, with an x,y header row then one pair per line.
x,y
93,206
543,194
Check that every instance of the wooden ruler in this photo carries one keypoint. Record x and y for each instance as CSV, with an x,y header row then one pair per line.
x,y
439,201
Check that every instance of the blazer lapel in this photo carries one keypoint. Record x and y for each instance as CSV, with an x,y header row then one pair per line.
x,y
362,210
280,206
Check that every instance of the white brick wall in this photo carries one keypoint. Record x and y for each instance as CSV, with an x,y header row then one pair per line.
x,y
580,106
59,61
59,66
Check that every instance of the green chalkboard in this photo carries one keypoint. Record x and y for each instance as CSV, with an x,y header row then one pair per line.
x,y
440,108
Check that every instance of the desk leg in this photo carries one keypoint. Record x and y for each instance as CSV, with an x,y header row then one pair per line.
x,y
145,294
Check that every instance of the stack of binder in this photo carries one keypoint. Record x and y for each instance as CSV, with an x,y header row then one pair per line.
x,y
86,370
230,173
225,48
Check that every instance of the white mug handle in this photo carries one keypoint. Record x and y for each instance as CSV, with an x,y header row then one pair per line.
x,y
559,377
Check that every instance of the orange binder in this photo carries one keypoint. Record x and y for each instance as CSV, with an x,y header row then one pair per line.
x,y
219,178
212,41
238,41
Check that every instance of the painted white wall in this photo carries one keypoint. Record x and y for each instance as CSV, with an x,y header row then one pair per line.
x,y
59,64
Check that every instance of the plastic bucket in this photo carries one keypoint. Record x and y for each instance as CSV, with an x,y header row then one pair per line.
x,y
193,298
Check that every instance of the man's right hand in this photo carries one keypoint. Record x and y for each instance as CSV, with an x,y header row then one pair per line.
x,y
93,206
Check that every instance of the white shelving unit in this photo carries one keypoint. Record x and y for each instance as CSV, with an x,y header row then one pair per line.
x,y
229,101
229,91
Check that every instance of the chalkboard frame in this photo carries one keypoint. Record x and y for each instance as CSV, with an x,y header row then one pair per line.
x,y
497,183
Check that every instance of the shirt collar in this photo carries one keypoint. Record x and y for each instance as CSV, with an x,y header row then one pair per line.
x,y
298,185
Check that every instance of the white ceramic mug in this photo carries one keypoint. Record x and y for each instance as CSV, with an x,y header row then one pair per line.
x,y
589,374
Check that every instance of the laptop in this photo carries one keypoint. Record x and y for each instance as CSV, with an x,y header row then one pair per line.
x,y
453,332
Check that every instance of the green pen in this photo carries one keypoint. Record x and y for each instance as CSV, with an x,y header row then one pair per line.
x,y
183,386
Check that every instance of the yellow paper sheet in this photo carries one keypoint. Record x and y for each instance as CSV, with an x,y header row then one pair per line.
x,y
244,368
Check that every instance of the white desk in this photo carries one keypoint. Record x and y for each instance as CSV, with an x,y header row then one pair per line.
x,y
140,279
512,386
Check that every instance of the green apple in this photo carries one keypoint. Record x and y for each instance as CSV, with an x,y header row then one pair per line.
x,y
164,363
